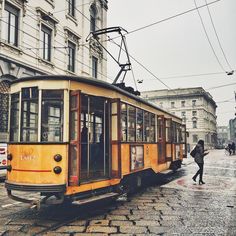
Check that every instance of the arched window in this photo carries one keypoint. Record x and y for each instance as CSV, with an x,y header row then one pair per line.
x,y
93,15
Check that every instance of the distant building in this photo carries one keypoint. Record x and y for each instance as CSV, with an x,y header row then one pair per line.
x,y
49,37
222,135
195,106
232,129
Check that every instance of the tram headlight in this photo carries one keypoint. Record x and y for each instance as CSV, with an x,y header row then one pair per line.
x,y
9,156
57,170
57,157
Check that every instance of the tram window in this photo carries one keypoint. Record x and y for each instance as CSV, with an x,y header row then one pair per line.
x,y
179,133
52,116
123,122
160,128
14,123
139,126
73,125
29,115
174,131
168,130
152,132
146,126
183,134
131,123
96,119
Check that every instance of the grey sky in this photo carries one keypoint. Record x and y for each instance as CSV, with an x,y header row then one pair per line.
x,y
179,46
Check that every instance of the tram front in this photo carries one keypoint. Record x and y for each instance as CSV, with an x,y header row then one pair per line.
x,y
38,147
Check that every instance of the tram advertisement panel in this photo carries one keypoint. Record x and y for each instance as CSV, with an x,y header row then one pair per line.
x,y
136,157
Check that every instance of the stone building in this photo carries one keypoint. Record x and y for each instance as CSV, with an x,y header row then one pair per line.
x,y
195,106
232,129
222,136
49,37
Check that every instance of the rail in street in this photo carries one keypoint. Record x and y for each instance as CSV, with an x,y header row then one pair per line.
x,y
173,206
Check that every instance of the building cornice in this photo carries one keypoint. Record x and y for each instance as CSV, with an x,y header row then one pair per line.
x,y
182,96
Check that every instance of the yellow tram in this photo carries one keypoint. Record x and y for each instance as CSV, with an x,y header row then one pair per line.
x,y
72,138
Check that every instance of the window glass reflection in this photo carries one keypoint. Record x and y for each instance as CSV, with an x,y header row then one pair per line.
x,y
52,116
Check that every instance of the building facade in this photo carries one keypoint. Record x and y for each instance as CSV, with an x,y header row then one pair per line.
x,y
232,130
222,136
195,106
49,37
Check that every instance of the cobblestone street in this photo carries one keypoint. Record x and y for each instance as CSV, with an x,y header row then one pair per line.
x,y
175,206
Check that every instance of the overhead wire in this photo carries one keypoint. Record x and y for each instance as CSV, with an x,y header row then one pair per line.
x,y
54,47
224,101
213,25
157,22
144,67
168,18
55,12
133,32
221,86
207,36
192,75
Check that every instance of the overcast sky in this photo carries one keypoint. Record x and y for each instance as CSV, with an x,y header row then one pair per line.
x,y
179,46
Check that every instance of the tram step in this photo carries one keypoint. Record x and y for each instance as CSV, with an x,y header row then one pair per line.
x,y
96,198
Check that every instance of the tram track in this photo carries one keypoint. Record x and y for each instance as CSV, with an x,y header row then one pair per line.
x,y
60,216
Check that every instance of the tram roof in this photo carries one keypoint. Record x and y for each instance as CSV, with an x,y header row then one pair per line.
x,y
91,81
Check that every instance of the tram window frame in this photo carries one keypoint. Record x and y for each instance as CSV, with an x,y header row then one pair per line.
x,y
179,133
14,117
74,117
152,132
139,125
176,129
160,128
123,120
146,119
173,127
59,102
131,124
29,114
168,130
129,133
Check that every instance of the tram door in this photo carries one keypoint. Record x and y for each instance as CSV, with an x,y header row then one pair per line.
x,y
94,138
161,139
168,138
183,140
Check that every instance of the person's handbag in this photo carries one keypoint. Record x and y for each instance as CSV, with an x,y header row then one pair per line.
x,y
193,152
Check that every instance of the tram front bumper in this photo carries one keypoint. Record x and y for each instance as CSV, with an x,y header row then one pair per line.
x,y
43,188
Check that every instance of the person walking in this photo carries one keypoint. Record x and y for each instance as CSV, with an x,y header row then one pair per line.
x,y
230,148
199,159
233,147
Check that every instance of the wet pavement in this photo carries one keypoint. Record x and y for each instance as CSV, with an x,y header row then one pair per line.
x,y
174,206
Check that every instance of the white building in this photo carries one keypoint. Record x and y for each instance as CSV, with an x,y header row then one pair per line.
x,y
195,106
222,136
232,129
49,37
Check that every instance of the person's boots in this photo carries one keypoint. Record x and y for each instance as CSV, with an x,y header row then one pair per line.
x,y
194,178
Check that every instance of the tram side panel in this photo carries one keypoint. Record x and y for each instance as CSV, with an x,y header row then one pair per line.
x,y
38,164
138,157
